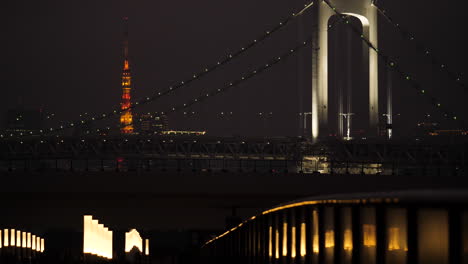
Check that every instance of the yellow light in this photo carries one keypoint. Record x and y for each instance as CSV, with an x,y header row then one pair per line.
x,y
5,240
147,247
97,239
33,240
394,239
329,239
110,244
103,247
369,236
13,240
293,242
315,248
315,232
107,251
100,246
282,207
397,230
86,233
18,238
94,237
133,239
1,238
42,245
28,244
38,244
303,240
270,241
348,240
23,242
289,206
277,243
285,239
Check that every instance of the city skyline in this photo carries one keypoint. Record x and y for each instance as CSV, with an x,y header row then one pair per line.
x,y
283,100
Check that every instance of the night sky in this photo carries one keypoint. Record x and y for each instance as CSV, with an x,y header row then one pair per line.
x,y
66,57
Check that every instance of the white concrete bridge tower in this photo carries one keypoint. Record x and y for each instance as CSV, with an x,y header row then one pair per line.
x,y
366,12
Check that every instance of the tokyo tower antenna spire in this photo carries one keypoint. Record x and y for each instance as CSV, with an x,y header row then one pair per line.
x,y
126,117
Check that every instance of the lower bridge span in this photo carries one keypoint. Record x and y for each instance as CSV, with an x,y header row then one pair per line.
x,y
425,227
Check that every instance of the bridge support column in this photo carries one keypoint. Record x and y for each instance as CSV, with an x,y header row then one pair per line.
x,y
366,12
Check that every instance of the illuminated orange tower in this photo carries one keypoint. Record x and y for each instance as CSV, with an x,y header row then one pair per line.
x,y
126,117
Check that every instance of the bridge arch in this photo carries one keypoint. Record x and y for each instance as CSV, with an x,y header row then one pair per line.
x,y
366,12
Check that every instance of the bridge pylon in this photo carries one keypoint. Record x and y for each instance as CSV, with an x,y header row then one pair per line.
x,y
367,13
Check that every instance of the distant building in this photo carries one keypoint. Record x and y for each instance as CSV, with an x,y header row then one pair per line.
x,y
152,123
427,127
184,133
452,132
23,121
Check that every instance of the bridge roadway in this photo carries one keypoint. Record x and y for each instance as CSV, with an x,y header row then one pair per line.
x,y
431,156
173,200
434,150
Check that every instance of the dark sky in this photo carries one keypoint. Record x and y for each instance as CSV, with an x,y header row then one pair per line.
x,y
66,57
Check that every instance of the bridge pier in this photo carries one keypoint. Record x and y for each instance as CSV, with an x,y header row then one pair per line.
x,y
366,12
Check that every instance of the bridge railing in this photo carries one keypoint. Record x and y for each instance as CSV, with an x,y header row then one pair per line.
x,y
406,227
214,154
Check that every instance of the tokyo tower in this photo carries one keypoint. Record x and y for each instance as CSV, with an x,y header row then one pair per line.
x,y
126,117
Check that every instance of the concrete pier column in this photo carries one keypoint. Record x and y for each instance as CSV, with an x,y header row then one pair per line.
x,y
254,241
346,228
259,237
293,236
277,236
320,72
373,70
285,238
270,251
301,236
366,12
251,252
314,227
244,243
263,239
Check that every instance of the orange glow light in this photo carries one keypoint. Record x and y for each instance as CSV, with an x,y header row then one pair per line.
x,y
126,117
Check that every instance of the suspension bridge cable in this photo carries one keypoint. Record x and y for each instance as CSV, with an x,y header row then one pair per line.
x,y
423,48
248,76
173,88
242,79
395,67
